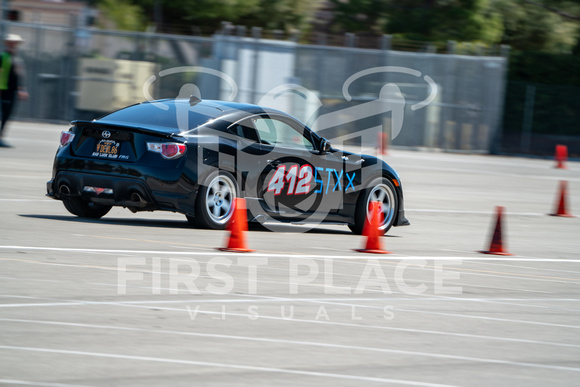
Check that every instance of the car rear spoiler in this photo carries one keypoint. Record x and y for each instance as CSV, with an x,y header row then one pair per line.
x,y
128,128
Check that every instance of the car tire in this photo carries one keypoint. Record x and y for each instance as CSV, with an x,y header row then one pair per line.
x,y
215,201
85,209
380,189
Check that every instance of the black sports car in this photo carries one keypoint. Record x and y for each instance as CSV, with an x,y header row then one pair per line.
x,y
195,156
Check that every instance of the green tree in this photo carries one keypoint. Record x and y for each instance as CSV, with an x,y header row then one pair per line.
x,y
529,26
207,15
121,15
360,15
286,15
429,20
565,8
540,25
568,12
464,20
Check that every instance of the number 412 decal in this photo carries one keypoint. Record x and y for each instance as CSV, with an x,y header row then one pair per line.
x,y
298,180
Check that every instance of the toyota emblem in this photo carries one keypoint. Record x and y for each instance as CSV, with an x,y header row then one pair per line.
x,y
106,134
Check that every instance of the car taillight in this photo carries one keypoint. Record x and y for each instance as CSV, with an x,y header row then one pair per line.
x,y
169,150
66,138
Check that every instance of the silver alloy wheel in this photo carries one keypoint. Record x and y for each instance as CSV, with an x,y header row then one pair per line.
x,y
386,196
219,199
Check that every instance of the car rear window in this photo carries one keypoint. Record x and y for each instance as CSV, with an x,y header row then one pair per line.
x,y
167,116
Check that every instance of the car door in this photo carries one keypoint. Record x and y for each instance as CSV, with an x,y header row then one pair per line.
x,y
342,175
290,185
248,157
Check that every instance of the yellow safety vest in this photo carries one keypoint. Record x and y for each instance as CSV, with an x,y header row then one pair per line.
x,y
5,72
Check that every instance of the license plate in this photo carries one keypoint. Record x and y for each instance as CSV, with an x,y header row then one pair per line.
x,y
107,148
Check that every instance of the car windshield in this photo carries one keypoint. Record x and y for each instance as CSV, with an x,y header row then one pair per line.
x,y
169,116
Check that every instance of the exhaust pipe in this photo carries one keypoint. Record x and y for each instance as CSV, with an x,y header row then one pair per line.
x,y
64,190
136,197
137,202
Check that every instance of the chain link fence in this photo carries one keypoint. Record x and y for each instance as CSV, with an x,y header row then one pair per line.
x,y
540,116
446,101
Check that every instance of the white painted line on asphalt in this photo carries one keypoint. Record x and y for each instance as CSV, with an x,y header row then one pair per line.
x,y
28,200
24,126
373,299
362,256
92,267
350,305
471,285
42,304
41,384
223,314
538,164
315,285
25,177
285,341
251,298
446,314
533,268
505,302
167,289
82,266
497,301
473,212
419,311
488,273
396,309
467,316
110,285
334,346
219,365
491,173
356,261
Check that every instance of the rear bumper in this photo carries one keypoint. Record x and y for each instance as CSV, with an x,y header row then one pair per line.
x,y
106,190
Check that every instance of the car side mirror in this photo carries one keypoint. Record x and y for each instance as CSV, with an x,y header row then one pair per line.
x,y
325,146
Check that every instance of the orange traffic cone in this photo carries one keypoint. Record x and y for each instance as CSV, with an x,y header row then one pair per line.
x,y
561,206
561,156
371,231
237,228
383,139
496,245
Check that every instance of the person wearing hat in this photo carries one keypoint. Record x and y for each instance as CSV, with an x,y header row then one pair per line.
x,y
11,80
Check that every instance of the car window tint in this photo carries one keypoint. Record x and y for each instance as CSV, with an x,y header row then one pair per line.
x,y
276,132
244,132
266,130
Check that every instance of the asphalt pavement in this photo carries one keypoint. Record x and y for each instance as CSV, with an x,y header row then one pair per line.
x,y
145,300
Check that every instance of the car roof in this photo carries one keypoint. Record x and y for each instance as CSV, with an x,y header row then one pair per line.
x,y
183,114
